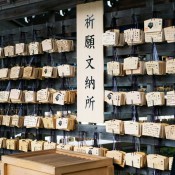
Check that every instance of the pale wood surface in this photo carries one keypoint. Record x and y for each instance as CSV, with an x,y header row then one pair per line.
x,y
14,170
57,159
101,171
86,114
56,162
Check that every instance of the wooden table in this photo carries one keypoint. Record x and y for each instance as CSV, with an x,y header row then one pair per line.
x,y
56,162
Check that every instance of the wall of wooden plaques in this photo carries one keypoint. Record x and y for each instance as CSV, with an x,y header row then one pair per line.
x,y
126,9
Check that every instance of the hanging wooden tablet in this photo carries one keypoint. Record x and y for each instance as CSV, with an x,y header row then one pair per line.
x,y
2,52
3,142
170,66
170,34
136,159
66,123
157,162
4,96
118,157
134,36
25,145
21,49
141,69
16,72
156,67
4,73
1,118
66,70
30,96
154,37
133,128
90,62
115,68
6,121
111,38
30,72
155,99
170,132
45,95
96,151
49,72
80,149
108,97
170,162
49,145
65,45
35,48
9,51
59,97
16,96
32,121
37,145
131,63
65,147
115,98
153,25
115,126
153,30
170,98
17,121
49,122
135,98
12,144
154,129
49,45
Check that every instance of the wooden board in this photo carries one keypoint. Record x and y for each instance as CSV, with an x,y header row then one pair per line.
x,y
54,162
90,63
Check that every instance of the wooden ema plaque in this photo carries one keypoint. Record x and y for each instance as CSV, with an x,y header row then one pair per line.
x,y
56,162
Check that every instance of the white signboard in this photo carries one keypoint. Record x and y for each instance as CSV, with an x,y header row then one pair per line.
x,y
90,63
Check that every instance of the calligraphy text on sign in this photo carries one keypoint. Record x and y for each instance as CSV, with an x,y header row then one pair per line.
x,y
90,84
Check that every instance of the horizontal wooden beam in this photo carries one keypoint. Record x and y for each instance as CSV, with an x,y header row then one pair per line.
x,y
35,7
